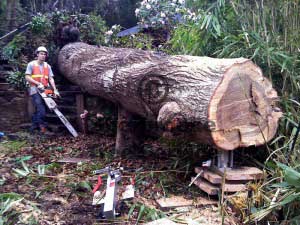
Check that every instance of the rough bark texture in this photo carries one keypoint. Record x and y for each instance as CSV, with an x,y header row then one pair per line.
x,y
11,11
224,102
129,132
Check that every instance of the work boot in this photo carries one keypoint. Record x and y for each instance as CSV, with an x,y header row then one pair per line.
x,y
32,129
44,131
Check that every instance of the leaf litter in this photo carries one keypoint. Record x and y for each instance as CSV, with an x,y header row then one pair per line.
x,y
60,193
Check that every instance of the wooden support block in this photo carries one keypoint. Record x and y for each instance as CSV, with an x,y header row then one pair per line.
x,y
206,186
241,173
163,221
210,180
213,189
173,202
209,175
79,110
228,187
204,201
73,160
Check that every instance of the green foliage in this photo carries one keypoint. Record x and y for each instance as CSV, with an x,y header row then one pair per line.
x,y
144,213
92,29
2,6
188,39
102,116
17,80
14,145
159,13
138,41
44,30
7,203
287,196
26,171
41,25
60,16
202,34
14,48
291,176
13,53
10,213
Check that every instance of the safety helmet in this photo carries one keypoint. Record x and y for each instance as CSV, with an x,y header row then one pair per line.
x,y
41,49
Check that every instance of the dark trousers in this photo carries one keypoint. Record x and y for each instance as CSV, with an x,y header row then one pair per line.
x,y
38,117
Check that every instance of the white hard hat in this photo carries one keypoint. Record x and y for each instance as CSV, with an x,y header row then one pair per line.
x,y
41,49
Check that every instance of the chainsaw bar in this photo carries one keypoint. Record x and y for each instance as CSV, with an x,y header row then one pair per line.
x,y
53,107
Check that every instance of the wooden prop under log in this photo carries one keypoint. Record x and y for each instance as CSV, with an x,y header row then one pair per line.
x,y
223,102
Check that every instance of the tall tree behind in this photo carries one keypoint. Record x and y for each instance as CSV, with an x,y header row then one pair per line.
x,y
2,17
11,14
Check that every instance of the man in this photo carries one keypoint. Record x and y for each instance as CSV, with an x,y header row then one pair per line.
x,y
39,74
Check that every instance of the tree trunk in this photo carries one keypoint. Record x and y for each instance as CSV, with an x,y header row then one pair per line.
x,y
224,102
129,132
11,12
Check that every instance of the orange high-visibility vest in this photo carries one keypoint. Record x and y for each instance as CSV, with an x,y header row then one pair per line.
x,y
38,75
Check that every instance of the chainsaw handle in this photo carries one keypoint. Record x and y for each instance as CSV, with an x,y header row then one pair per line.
x,y
107,170
101,171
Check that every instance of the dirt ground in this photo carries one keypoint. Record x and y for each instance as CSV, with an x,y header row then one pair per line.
x,y
60,193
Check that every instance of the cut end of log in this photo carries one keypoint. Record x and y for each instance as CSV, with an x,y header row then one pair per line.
x,y
242,109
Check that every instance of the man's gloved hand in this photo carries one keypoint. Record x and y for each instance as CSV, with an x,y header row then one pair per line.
x,y
41,87
56,93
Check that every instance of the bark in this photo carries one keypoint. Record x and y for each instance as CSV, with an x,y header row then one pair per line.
x,y
11,12
129,132
224,102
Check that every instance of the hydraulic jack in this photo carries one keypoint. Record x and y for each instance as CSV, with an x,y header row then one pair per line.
x,y
109,203
221,173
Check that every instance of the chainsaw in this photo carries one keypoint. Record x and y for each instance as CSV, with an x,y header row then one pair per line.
x,y
48,95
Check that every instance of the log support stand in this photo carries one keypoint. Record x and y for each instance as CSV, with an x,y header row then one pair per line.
x,y
210,178
129,132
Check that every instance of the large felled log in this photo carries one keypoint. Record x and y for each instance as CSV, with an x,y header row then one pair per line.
x,y
224,102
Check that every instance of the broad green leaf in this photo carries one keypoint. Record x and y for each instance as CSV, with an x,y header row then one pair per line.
x,y
131,210
22,173
85,185
292,177
141,212
8,204
280,185
41,169
281,165
10,195
23,158
295,220
289,199
204,22
25,166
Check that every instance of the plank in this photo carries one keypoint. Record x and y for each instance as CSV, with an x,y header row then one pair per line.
x,y
73,160
241,173
173,202
163,221
79,110
206,186
213,189
212,177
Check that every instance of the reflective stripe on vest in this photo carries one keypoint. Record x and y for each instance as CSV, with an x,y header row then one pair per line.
x,y
38,75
